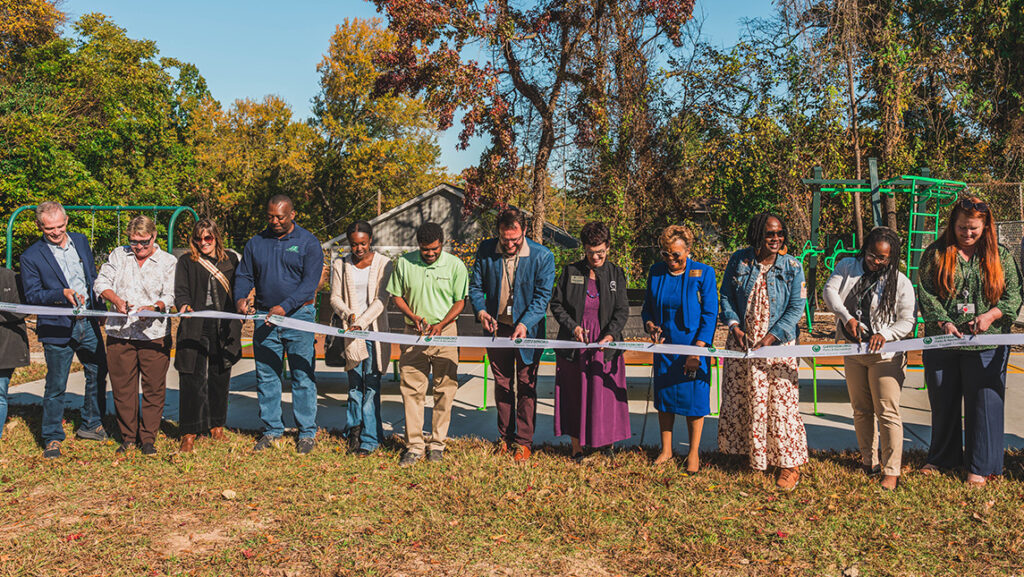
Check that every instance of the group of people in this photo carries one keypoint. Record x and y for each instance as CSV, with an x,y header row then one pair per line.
x,y
968,284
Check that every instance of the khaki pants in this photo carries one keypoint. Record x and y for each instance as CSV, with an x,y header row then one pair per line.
x,y
875,385
416,363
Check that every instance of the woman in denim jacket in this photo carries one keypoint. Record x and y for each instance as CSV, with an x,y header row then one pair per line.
x,y
762,299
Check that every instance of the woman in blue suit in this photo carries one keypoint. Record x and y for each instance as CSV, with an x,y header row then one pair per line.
x,y
681,307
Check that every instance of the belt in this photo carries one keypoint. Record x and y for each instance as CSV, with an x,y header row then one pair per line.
x,y
261,306
309,302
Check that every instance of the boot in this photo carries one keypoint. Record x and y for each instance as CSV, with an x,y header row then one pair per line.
x,y
217,434
187,442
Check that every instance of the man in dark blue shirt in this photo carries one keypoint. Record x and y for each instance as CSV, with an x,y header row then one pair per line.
x,y
284,264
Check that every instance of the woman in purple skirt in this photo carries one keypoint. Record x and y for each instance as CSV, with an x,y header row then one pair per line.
x,y
590,306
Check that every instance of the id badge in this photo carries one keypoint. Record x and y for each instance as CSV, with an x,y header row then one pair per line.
x,y
508,310
965,308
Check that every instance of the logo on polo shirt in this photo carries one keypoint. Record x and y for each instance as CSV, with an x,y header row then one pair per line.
x,y
293,248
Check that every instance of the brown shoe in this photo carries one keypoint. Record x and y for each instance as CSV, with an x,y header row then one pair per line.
x,y
522,454
500,447
218,434
890,482
929,470
788,478
187,442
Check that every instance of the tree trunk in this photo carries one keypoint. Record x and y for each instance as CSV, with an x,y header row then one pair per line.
x,y
540,178
858,216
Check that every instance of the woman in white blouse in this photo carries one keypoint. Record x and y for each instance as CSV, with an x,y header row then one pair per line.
x,y
874,303
138,277
359,296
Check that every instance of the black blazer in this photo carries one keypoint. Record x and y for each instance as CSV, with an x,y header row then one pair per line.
x,y
570,298
191,283
13,336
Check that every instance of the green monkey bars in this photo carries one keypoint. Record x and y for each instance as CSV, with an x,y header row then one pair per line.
x,y
176,212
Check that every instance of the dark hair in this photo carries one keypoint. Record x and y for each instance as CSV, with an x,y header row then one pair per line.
x,y
359,226
755,230
429,232
281,199
888,276
595,234
511,217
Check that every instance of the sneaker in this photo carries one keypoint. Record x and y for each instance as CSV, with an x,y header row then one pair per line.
x,y
435,455
352,435
522,454
97,434
52,450
149,449
124,448
305,445
266,442
409,458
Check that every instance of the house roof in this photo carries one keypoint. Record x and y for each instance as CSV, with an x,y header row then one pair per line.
x,y
559,234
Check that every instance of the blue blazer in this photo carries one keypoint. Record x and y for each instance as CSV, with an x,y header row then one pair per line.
x,y
699,316
45,283
534,283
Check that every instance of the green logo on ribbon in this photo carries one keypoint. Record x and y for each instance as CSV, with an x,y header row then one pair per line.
x,y
816,348
427,339
712,349
341,331
927,340
519,341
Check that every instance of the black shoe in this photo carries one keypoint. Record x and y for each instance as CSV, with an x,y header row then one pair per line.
x,y
353,435
97,434
265,442
305,445
871,472
362,452
149,449
577,457
409,458
608,451
124,448
435,456
52,450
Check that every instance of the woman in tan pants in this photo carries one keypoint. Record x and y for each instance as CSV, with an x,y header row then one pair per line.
x,y
874,303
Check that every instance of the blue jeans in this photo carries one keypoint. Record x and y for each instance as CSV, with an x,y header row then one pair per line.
x,y
364,400
5,379
270,343
87,344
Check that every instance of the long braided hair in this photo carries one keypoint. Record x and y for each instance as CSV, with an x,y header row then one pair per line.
x,y
888,275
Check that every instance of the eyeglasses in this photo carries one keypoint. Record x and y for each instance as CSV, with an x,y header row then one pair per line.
x,y
672,255
142,243
966,204
875,258
774,234
601,252
208,239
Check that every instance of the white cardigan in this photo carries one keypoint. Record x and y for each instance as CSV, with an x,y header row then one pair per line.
x,y
841,283
375,317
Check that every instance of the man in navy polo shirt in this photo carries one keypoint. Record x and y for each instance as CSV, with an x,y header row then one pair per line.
x,y
284,263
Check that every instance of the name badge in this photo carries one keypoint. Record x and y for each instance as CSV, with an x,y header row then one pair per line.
x,y
965,308
696,273
508,310
577,279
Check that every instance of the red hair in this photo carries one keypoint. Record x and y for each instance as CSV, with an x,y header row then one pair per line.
x,y
988,252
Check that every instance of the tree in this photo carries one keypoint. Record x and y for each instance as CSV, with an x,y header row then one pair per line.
x,y
25,24
534,58
369,146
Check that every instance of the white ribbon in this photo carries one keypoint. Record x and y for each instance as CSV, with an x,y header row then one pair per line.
x,y
780,351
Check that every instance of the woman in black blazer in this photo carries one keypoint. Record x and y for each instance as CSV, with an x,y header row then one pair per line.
x,y
590,306
206,348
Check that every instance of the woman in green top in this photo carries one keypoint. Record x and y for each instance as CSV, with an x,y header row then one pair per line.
x,y
969,284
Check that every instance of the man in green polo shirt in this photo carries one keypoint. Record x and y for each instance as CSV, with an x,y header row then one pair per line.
x,y
429,286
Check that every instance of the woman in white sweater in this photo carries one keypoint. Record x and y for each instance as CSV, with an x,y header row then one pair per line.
x,y
874,303
359,296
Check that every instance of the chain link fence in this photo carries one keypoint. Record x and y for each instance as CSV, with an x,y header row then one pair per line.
x,y
1006,199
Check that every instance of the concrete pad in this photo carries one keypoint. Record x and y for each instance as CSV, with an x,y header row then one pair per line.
x,y
831,428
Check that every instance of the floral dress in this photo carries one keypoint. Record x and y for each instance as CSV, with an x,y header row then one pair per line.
x,y
760,414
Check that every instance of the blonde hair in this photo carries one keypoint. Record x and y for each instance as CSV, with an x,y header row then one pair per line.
x,y
675,232
141,225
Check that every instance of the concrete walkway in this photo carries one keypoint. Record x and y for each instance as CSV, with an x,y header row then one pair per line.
x,y
832,428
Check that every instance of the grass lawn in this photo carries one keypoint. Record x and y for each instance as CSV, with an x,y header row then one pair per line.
x,y
226,511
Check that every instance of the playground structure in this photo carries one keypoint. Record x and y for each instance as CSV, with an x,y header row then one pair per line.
x,y
176,211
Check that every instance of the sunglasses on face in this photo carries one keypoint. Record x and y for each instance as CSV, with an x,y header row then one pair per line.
x,y
208,239
672,255
142,243
774,234
966,204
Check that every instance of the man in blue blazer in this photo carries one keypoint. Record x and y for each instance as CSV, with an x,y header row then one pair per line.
x,y
510,288
58,270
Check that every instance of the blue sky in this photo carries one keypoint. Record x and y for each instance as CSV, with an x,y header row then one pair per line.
x,y
259,47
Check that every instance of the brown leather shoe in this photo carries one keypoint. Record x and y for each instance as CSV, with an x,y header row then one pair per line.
x,y
788,478
522,454
890,482
187,443
217,434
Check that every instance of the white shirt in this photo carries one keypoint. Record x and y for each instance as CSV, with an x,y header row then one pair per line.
x,y
360,279
140,286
